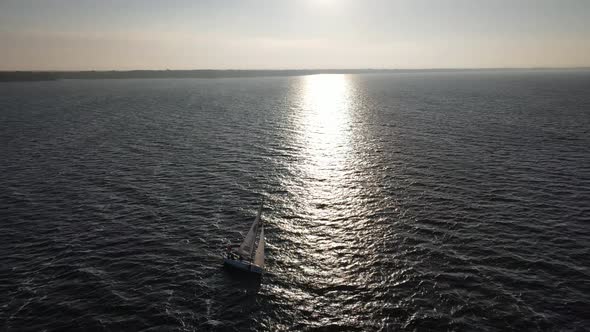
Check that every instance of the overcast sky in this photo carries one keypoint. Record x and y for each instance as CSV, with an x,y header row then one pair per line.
x,y
278,34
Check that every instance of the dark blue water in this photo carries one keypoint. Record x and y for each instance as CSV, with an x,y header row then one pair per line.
x,y
405,201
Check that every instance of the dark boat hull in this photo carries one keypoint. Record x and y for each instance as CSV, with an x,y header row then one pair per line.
x,y
242,265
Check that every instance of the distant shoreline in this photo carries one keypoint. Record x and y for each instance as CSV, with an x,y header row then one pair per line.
x,y
20,76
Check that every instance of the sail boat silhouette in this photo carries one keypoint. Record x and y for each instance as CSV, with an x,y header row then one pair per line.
x,y
248,257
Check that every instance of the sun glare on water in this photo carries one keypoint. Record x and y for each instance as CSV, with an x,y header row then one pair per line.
x,y
326,108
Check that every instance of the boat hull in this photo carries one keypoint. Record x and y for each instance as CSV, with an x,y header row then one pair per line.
x,y
243,265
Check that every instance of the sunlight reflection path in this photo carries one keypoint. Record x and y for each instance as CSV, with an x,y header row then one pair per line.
x,y
326,241
326,103
325,126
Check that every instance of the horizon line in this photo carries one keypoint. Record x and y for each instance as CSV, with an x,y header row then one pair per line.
x,y
297,69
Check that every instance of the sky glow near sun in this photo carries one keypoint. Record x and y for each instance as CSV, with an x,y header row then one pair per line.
x,y
305,34
322,3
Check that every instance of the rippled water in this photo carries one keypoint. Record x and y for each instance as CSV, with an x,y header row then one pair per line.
x,y
407,201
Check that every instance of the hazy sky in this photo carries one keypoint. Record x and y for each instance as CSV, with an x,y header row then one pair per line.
x,y
274,34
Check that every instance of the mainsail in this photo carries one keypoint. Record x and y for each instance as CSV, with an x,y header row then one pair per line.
x,y
259,258
247,247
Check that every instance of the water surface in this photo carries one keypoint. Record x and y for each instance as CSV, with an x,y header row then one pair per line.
x,y
399,201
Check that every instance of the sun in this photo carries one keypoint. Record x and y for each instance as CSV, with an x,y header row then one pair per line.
x,y
322,3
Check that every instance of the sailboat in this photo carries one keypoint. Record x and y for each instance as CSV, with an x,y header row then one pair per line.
x,y
248,257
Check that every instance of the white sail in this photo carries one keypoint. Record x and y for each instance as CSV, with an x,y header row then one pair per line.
x,y
247,247
259,258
